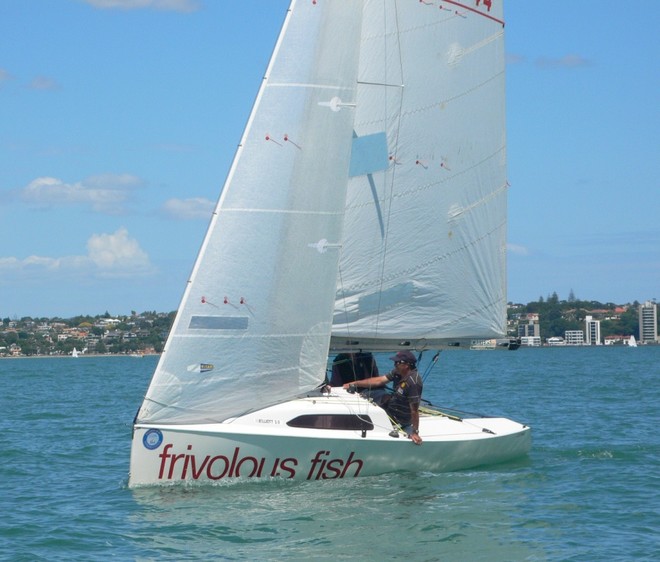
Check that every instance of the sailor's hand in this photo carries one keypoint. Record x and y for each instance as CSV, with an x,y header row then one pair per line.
x,y
416,439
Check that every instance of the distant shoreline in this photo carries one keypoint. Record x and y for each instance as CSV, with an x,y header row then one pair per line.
x,y
81,356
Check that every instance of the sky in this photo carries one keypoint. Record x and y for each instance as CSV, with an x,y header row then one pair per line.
x,y
119,120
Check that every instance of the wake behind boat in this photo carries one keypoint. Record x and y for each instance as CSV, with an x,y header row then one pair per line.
x,y
365,210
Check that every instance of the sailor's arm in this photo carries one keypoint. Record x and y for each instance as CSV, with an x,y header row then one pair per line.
x,y
369,383
414,419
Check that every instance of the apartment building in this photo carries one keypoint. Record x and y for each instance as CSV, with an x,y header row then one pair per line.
x,y
592,331
648,322
528,326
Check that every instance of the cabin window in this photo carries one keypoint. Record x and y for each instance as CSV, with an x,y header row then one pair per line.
x,y
333,421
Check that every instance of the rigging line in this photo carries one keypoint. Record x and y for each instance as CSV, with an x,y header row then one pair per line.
x,y
432,412
430,366
343,300
395,151
358,411
464,412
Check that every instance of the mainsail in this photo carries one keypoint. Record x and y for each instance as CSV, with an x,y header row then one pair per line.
x,y
423,256
253,327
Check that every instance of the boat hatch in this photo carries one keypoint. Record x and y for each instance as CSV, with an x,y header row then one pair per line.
x,y
332,421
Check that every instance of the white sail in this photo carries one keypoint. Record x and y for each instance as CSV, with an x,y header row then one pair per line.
x,y
423,257
254,324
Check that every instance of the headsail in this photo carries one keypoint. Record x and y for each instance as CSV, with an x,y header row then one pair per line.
x,y
423,258
254,324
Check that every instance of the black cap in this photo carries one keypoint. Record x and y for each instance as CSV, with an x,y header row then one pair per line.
x,y
405,356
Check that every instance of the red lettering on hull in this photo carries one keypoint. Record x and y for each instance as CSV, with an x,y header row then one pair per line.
x,y
189,466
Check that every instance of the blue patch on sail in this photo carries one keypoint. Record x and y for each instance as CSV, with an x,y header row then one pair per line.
x,y
368,155
378,302
218,323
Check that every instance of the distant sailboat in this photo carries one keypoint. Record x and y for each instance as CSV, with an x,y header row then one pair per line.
x,y
365,210
74,353
632,342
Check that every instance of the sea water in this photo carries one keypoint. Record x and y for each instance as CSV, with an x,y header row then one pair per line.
x,y
589,490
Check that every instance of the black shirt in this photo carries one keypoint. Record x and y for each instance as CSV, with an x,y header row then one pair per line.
x,y
406,392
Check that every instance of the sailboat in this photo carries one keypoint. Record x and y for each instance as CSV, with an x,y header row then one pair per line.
x,y
632,342
365,210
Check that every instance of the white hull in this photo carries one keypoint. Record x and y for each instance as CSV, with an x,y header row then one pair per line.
x,y
263,445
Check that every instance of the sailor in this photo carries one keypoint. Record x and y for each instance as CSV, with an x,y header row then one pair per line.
x,y
403,404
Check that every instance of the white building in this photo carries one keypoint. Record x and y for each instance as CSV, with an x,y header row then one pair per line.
x,y
530,341
574,337
648,322
555,341
592,329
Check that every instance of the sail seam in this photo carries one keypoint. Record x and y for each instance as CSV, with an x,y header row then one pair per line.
x,y
434,105
283,211
481,201
424,187
427,263
469,314
482,43
454,98
430,185
384,84
304,85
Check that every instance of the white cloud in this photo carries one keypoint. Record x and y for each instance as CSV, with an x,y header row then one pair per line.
x,y
517,249
187,209
104,193
567,61
108,255
513,58
117,252
43,83
4,77
170,5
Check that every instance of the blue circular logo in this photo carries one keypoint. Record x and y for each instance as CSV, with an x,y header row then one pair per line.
x,y
152,439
